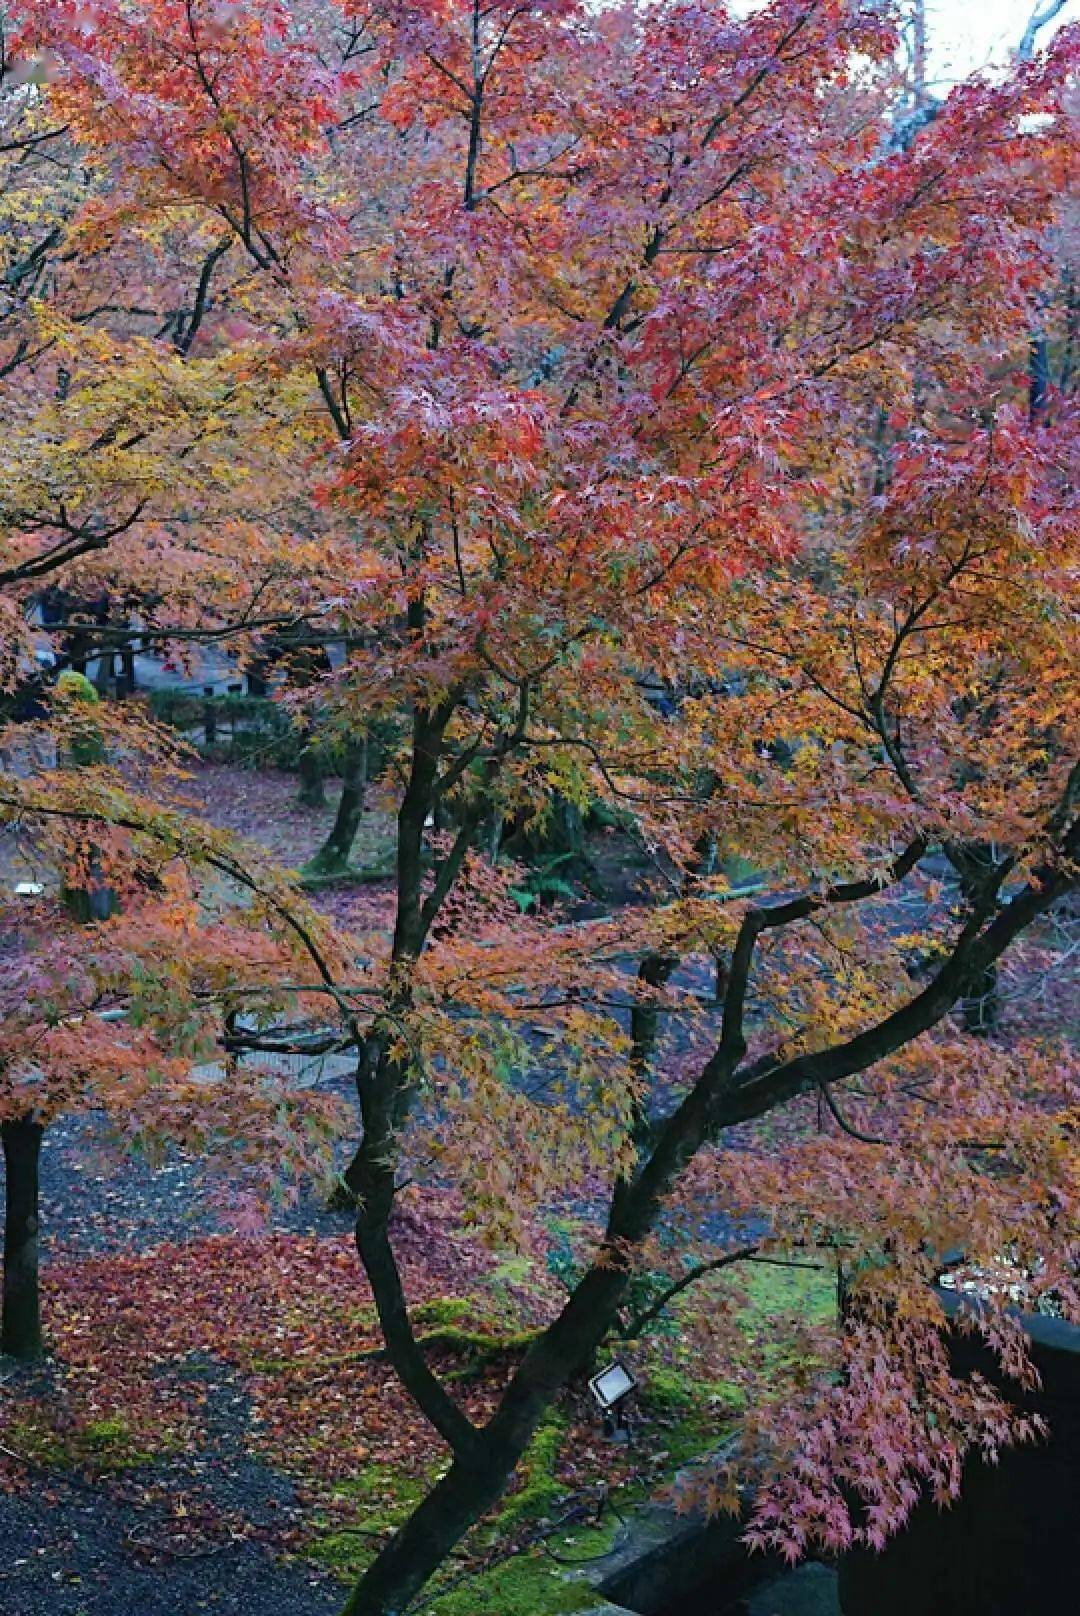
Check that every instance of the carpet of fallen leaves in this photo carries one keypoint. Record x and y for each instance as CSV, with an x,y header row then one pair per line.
x,y
292,1312
142,1345
262,804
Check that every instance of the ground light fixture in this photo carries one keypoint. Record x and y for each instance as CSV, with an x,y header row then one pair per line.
x,y
612,1384
610,1389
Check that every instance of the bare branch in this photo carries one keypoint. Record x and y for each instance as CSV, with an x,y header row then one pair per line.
x,y
1040,18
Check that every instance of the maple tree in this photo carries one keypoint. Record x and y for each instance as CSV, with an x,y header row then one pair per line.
x,y
597,354
98,1017
113,423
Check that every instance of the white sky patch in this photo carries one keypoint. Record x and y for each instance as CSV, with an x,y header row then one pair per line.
x,y
965,35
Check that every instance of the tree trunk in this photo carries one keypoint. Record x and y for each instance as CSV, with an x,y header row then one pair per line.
x,y
312,793
96,901
333,856
1038,375
20,1334
79,651
980,1004
725,1094
402,1568
476,1480
127,684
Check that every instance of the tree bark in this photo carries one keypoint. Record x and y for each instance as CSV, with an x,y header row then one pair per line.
x,y
980,1006
312,792
20,1333
333,856
980,1010
478,1479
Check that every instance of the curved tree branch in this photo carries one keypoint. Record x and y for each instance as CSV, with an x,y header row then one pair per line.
x,y
1039,19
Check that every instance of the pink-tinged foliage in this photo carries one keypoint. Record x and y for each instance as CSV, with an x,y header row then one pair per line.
x,y
896,1422
652,428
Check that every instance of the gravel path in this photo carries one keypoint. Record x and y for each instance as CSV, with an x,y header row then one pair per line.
x,y
193,1533
94,1200
79,1556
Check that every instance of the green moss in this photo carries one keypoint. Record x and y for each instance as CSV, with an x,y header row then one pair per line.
x,y
77,687
686,1415
526,1585
99,1445
511,1271
668,1390
771,1301
676,1391
327,872
105,1433
383,1497
540,1489
695,1413
441,1310
774,1291
477,1341
438,1324
347,1552
385,1490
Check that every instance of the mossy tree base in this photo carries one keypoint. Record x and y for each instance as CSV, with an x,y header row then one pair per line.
x,y
326,869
